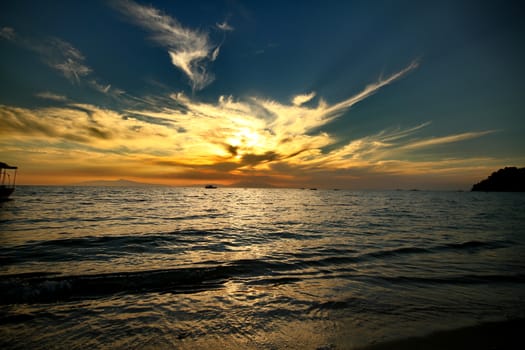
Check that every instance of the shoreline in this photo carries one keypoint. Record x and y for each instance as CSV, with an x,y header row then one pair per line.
x,y
489,336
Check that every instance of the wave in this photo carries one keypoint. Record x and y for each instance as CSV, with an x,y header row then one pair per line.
x,y
471,245
337,256
48,287
36,287
468,246
91,248
453,279
104,248
44,288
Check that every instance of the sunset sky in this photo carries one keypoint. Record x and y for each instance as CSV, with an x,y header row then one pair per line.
x,y
346,94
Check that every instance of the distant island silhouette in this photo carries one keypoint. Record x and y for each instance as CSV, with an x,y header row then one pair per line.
x,y
509,179
114,183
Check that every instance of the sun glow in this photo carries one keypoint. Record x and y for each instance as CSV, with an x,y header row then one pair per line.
x,y
245,140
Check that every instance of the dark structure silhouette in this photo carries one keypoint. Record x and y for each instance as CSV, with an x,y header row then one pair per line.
x,y
7,182
509,179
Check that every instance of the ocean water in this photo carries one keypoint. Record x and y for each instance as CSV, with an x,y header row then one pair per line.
x,y
195,268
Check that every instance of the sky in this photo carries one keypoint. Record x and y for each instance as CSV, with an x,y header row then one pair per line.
x,y
327,94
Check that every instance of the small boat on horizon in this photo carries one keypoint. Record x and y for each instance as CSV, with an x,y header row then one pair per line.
x,y
7,184
210,186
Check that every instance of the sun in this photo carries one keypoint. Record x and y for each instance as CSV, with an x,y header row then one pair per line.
x,y
245,140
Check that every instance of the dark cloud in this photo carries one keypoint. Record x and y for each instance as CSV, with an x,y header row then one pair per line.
x,y
232,149
99,133
254,159
152,120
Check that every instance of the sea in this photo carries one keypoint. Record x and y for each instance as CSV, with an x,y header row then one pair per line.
x,y
234,268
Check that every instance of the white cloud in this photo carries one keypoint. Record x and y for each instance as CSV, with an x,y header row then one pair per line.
x,y
46,95
56,53
370,90
446,139
65,58
301,99
215,53
72,70
224,26
188,49
106,89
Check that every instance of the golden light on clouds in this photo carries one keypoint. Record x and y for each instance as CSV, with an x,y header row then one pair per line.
x,y
223,142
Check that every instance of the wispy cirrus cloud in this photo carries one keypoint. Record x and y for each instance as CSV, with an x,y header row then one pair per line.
x,y
189,50
446,139
372,88
56,53
46,95
106,89
63,57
